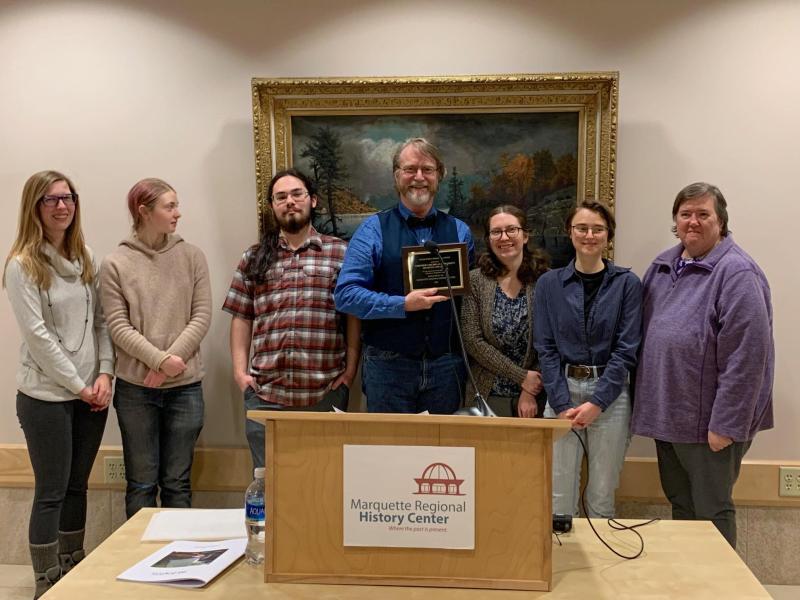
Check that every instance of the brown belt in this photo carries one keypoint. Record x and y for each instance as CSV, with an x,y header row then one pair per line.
x,y
584,371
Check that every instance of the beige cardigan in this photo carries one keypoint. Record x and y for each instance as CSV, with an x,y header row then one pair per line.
x,y
156,303
476,322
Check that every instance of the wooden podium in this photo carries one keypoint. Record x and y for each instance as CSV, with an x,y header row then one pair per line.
x,y
304,500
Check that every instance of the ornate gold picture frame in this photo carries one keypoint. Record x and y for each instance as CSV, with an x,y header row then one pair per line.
x,y
541,142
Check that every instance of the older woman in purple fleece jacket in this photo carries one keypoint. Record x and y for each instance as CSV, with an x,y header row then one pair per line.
x,y
704,384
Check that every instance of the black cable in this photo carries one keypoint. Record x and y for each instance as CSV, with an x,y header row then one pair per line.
x,y
613,523
432,247
453,317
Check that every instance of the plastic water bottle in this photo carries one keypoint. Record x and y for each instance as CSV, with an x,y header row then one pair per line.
x,y
254,518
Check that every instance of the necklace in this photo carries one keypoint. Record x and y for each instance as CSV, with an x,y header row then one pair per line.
x,y
85,320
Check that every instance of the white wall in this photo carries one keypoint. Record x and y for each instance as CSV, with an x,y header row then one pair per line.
x,y
110,92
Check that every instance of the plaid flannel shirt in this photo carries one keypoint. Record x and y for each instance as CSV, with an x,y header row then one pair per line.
x,y
298,337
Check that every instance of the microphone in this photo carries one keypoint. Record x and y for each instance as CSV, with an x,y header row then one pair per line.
x,y
480,408
433,248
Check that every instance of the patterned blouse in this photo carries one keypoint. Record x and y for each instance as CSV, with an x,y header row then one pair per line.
x,y
508,320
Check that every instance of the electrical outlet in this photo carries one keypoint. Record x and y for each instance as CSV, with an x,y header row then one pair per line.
x,y
114,469
789,484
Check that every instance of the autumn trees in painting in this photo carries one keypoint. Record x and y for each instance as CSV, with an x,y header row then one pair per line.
x,y
529,161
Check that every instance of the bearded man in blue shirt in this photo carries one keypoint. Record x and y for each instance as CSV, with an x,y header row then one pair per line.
x,y
411,355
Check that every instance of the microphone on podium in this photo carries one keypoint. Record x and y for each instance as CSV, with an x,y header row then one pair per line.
x,y
479,407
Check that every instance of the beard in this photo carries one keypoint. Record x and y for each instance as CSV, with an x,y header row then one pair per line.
x,y
418,196
293,222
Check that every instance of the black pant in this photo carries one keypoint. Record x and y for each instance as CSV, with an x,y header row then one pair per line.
x,y
63,439
698,482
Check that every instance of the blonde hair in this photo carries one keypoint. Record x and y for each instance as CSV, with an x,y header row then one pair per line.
x,y
29,244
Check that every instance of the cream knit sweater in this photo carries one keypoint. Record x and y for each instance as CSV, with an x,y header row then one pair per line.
x,y
156,303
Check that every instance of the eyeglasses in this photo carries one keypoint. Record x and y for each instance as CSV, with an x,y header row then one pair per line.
x,y
411,170
283,197
585,229
53,200
511,232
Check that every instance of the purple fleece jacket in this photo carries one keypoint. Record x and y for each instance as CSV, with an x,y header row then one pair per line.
x,y
707,354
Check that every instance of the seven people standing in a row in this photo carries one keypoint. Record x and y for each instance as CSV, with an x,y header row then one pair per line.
x,y
695,337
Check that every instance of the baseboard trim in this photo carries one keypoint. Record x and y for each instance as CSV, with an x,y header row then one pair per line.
x,y
214,469
229,469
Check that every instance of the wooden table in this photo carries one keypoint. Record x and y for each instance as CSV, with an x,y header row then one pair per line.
x,y
682,559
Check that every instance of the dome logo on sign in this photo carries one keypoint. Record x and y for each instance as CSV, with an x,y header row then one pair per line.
x,y
439,479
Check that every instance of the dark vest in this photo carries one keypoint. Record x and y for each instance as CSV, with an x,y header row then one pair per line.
x,y
423,332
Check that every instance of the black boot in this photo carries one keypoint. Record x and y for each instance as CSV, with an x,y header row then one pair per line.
x,y
70,549
46,569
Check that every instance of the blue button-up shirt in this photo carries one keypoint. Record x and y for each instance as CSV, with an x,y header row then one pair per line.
x,y
609,337
354,294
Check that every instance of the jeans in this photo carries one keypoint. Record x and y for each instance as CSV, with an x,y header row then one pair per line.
x,y
394,383
159,429
63,439
256,432
606,440
698,482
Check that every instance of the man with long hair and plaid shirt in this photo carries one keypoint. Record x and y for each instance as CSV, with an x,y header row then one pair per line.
x,y
304,353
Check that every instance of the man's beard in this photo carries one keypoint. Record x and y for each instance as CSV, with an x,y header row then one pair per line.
x,y
294,222
419,196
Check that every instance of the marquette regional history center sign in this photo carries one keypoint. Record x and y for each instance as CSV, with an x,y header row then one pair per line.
x,y
409,496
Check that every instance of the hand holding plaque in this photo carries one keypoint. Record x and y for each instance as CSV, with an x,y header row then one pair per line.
x,y
422,268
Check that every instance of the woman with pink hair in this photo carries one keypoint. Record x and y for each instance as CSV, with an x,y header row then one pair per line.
x,y
157,300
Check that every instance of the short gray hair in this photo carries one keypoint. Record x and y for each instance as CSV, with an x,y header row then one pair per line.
x,y
699,190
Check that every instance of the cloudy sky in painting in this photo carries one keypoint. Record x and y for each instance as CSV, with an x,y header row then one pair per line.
x,y
471,142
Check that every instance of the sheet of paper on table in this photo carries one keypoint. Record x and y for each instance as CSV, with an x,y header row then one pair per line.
x,y
202,525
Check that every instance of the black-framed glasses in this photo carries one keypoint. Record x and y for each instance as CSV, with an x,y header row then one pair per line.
x,y
585,229
52,200
295,194
511,232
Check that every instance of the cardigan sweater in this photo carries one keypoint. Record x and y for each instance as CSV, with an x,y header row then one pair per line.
x,y
157,303
50,370
486,360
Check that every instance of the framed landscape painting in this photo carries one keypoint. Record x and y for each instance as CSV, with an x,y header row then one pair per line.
x,y
539,142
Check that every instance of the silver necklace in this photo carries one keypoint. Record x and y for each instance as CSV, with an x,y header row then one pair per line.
x,y
85,321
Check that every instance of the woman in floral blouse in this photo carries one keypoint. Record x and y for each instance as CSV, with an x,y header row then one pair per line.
x,y
497,317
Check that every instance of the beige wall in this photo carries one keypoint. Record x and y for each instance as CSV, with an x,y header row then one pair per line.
x,y
110,92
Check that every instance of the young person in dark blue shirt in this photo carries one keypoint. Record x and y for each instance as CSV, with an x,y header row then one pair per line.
x,y
587,329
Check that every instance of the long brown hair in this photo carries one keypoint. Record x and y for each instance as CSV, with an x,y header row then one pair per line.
x,y
535,262
264,253
29,244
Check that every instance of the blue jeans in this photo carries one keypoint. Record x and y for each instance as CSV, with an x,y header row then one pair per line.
x,y
159,430
256,432
394,383
606,441
62,439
